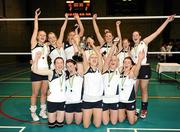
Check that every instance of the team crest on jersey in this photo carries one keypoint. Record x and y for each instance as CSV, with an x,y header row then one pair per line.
x,y
146,76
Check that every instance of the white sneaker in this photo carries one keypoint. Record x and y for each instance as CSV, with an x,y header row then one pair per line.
x,y
34,117
43,114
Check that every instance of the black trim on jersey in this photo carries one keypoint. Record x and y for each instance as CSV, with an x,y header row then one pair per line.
x,y
132,96
108,71
122,51
105,45
51,48
117,91
55,75
90,70
82,91
37,45
67,45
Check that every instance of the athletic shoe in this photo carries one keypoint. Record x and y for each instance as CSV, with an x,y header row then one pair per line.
x,y
34,117
143,114
43,114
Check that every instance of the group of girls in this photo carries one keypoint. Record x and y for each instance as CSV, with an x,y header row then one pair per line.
x,y
102,86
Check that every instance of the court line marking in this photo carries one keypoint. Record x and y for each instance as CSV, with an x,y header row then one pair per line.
x,y
147,129
21,70
6,78
21,127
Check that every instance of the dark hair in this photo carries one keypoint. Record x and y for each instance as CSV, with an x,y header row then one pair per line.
x,y
70,61
57,59
129,59
137,32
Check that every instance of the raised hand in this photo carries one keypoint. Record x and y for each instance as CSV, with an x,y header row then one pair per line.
x,y
38,55
171,18
76,16
118,23
66,16
94,16
37,12
141,55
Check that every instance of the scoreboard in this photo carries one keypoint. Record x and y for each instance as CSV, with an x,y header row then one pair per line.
x,y
82,7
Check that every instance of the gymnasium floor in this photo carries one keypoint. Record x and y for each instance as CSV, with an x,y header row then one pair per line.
x,y
15,91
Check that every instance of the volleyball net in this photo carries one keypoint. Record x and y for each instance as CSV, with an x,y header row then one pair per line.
x,y
16,34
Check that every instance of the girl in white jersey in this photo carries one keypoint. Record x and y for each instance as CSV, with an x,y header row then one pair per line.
x,y
145,71
39,82
127,101
56,45
69,44
56,94
93,88
74,84
107,41
124,51
111,88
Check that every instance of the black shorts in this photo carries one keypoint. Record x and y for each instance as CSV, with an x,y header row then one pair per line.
x,y
55,106
127,106
73,108
90,105
144,72
36,77
112,106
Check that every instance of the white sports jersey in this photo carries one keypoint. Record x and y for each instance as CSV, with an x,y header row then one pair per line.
x,y
105,49
57,88
121,55
111,86
93,86
74,86
135,52
55,52
126,89
69,50
42,62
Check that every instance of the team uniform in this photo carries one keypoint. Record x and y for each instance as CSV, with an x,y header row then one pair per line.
x,y
69,50
56,98
121,55
74,89
111,90
127,93
93,89
145,70
105,49
55,52
42,62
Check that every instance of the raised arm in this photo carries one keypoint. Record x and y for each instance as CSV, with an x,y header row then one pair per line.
x,y
151,37
81,27
61,34
35,31
108,58
119,34
35,68
100,60
96,29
